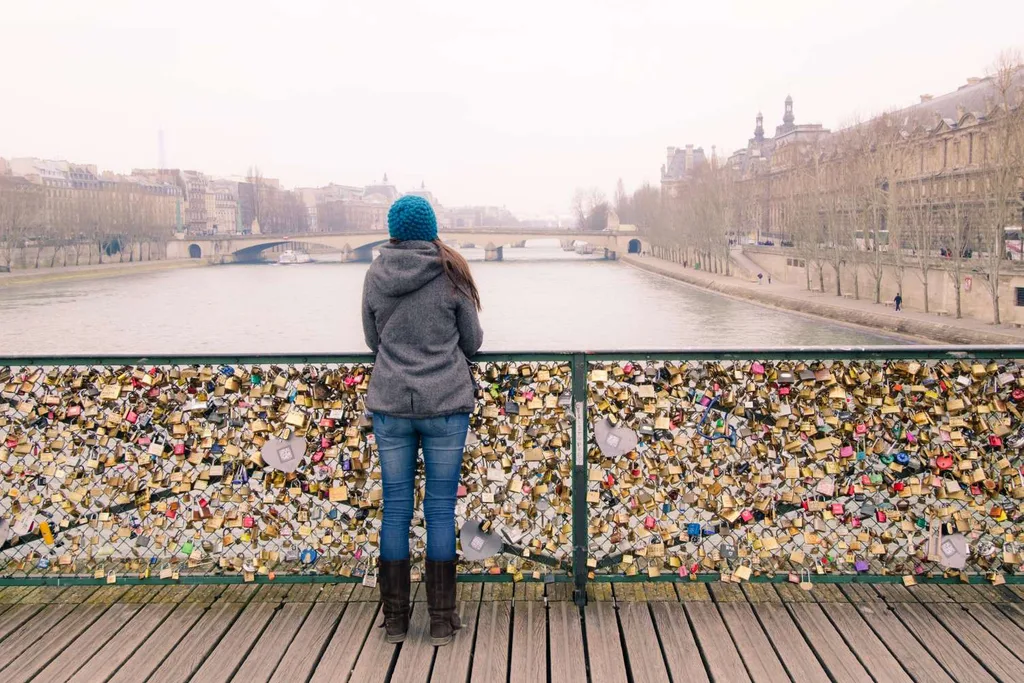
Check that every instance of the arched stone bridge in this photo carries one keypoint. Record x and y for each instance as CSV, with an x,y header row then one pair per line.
x,y
358,246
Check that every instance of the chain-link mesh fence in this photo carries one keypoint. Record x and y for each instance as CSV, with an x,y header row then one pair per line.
x,y
756,467
156,470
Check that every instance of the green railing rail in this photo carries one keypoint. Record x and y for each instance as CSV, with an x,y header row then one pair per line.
x,y
805,464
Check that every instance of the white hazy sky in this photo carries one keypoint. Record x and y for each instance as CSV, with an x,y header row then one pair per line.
x,y
511,104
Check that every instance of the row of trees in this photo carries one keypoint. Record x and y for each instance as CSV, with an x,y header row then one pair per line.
x,y
75,227
910,196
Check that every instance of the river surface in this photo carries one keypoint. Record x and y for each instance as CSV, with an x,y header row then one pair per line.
x,y
539,298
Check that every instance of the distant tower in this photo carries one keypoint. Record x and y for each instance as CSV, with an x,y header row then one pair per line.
x,y
759,128
787,118
385,178
161,150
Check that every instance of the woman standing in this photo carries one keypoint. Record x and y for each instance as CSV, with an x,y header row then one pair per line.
x,y
420,319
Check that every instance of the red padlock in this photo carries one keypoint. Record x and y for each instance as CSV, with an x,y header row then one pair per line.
x,y
995,441
650,522
944,462
179,449
247,522
880,516
1018,394
746,515
837,509
898,486
783,391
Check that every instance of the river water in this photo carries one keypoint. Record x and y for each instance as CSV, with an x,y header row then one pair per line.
x,y
539,298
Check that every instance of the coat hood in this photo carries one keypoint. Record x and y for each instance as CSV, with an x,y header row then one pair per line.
x,y
405,267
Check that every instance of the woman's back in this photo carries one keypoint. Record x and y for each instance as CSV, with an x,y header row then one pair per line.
x,y
422,330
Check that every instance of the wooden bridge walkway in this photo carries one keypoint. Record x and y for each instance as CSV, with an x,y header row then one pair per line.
x,y
641,632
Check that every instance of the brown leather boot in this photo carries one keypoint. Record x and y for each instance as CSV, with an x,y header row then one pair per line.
x,y
394,595
444,620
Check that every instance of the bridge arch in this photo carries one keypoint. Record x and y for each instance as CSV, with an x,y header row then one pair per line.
x,y
635,246
195,251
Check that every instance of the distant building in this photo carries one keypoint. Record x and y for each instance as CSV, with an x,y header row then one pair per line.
x,y
5,167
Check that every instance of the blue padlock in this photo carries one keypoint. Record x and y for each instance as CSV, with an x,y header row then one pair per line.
x,y
309,556
693,529
903,458
861,455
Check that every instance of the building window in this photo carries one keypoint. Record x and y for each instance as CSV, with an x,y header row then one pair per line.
x,y
1020,295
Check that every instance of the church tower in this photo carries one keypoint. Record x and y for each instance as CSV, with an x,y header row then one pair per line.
x,y
759,128
787,118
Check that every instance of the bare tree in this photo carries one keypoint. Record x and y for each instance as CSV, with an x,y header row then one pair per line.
x,y
1002,173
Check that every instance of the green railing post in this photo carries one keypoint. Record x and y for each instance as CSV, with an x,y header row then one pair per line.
x,y
579,478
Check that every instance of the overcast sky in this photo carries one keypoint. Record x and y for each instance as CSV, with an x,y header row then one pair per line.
x,y
511,104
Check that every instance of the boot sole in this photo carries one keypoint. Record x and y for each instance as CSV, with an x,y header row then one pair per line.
x,y
441,642
395,639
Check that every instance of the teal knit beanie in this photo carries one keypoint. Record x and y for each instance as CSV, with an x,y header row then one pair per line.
x,y
412,218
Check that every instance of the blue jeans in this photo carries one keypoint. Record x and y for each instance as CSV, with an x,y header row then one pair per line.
x,y
398,441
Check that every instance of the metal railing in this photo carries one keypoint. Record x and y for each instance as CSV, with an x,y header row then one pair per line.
x,y
783,464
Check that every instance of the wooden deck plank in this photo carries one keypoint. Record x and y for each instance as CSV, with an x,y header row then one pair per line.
x,y
490,657
451,663
604,647
872,652
761,592
827,643
860,594
568,660
416,653
645,660
727,592
190,647
306,648
754,647
929,592
122,646
336,592
233,648
376,656
791,592
13,594
345,643
261,662
39,654
32,631
682,655
894,593
918,662
693,591
1014,613
1000,626
942,646
720,653
12,619
796,654
999,661
529,642
77,653
43,595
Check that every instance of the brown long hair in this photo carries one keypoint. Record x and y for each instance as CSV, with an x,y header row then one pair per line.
x,y
457,270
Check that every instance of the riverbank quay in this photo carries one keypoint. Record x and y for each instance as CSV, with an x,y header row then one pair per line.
x,y
911,324
35,276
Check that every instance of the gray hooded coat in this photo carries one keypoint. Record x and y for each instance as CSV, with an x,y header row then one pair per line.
x,y
422,331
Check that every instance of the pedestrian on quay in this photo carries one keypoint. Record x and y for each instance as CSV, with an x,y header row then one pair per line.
x,y
898,302
420,320
769,278
760,277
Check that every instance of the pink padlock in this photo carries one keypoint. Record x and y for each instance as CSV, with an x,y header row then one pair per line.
x,y
179,449
746,515
837,508
132,417
247,522
650,522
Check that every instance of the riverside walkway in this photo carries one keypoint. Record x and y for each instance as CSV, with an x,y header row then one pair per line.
x,y
629,631
915,325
